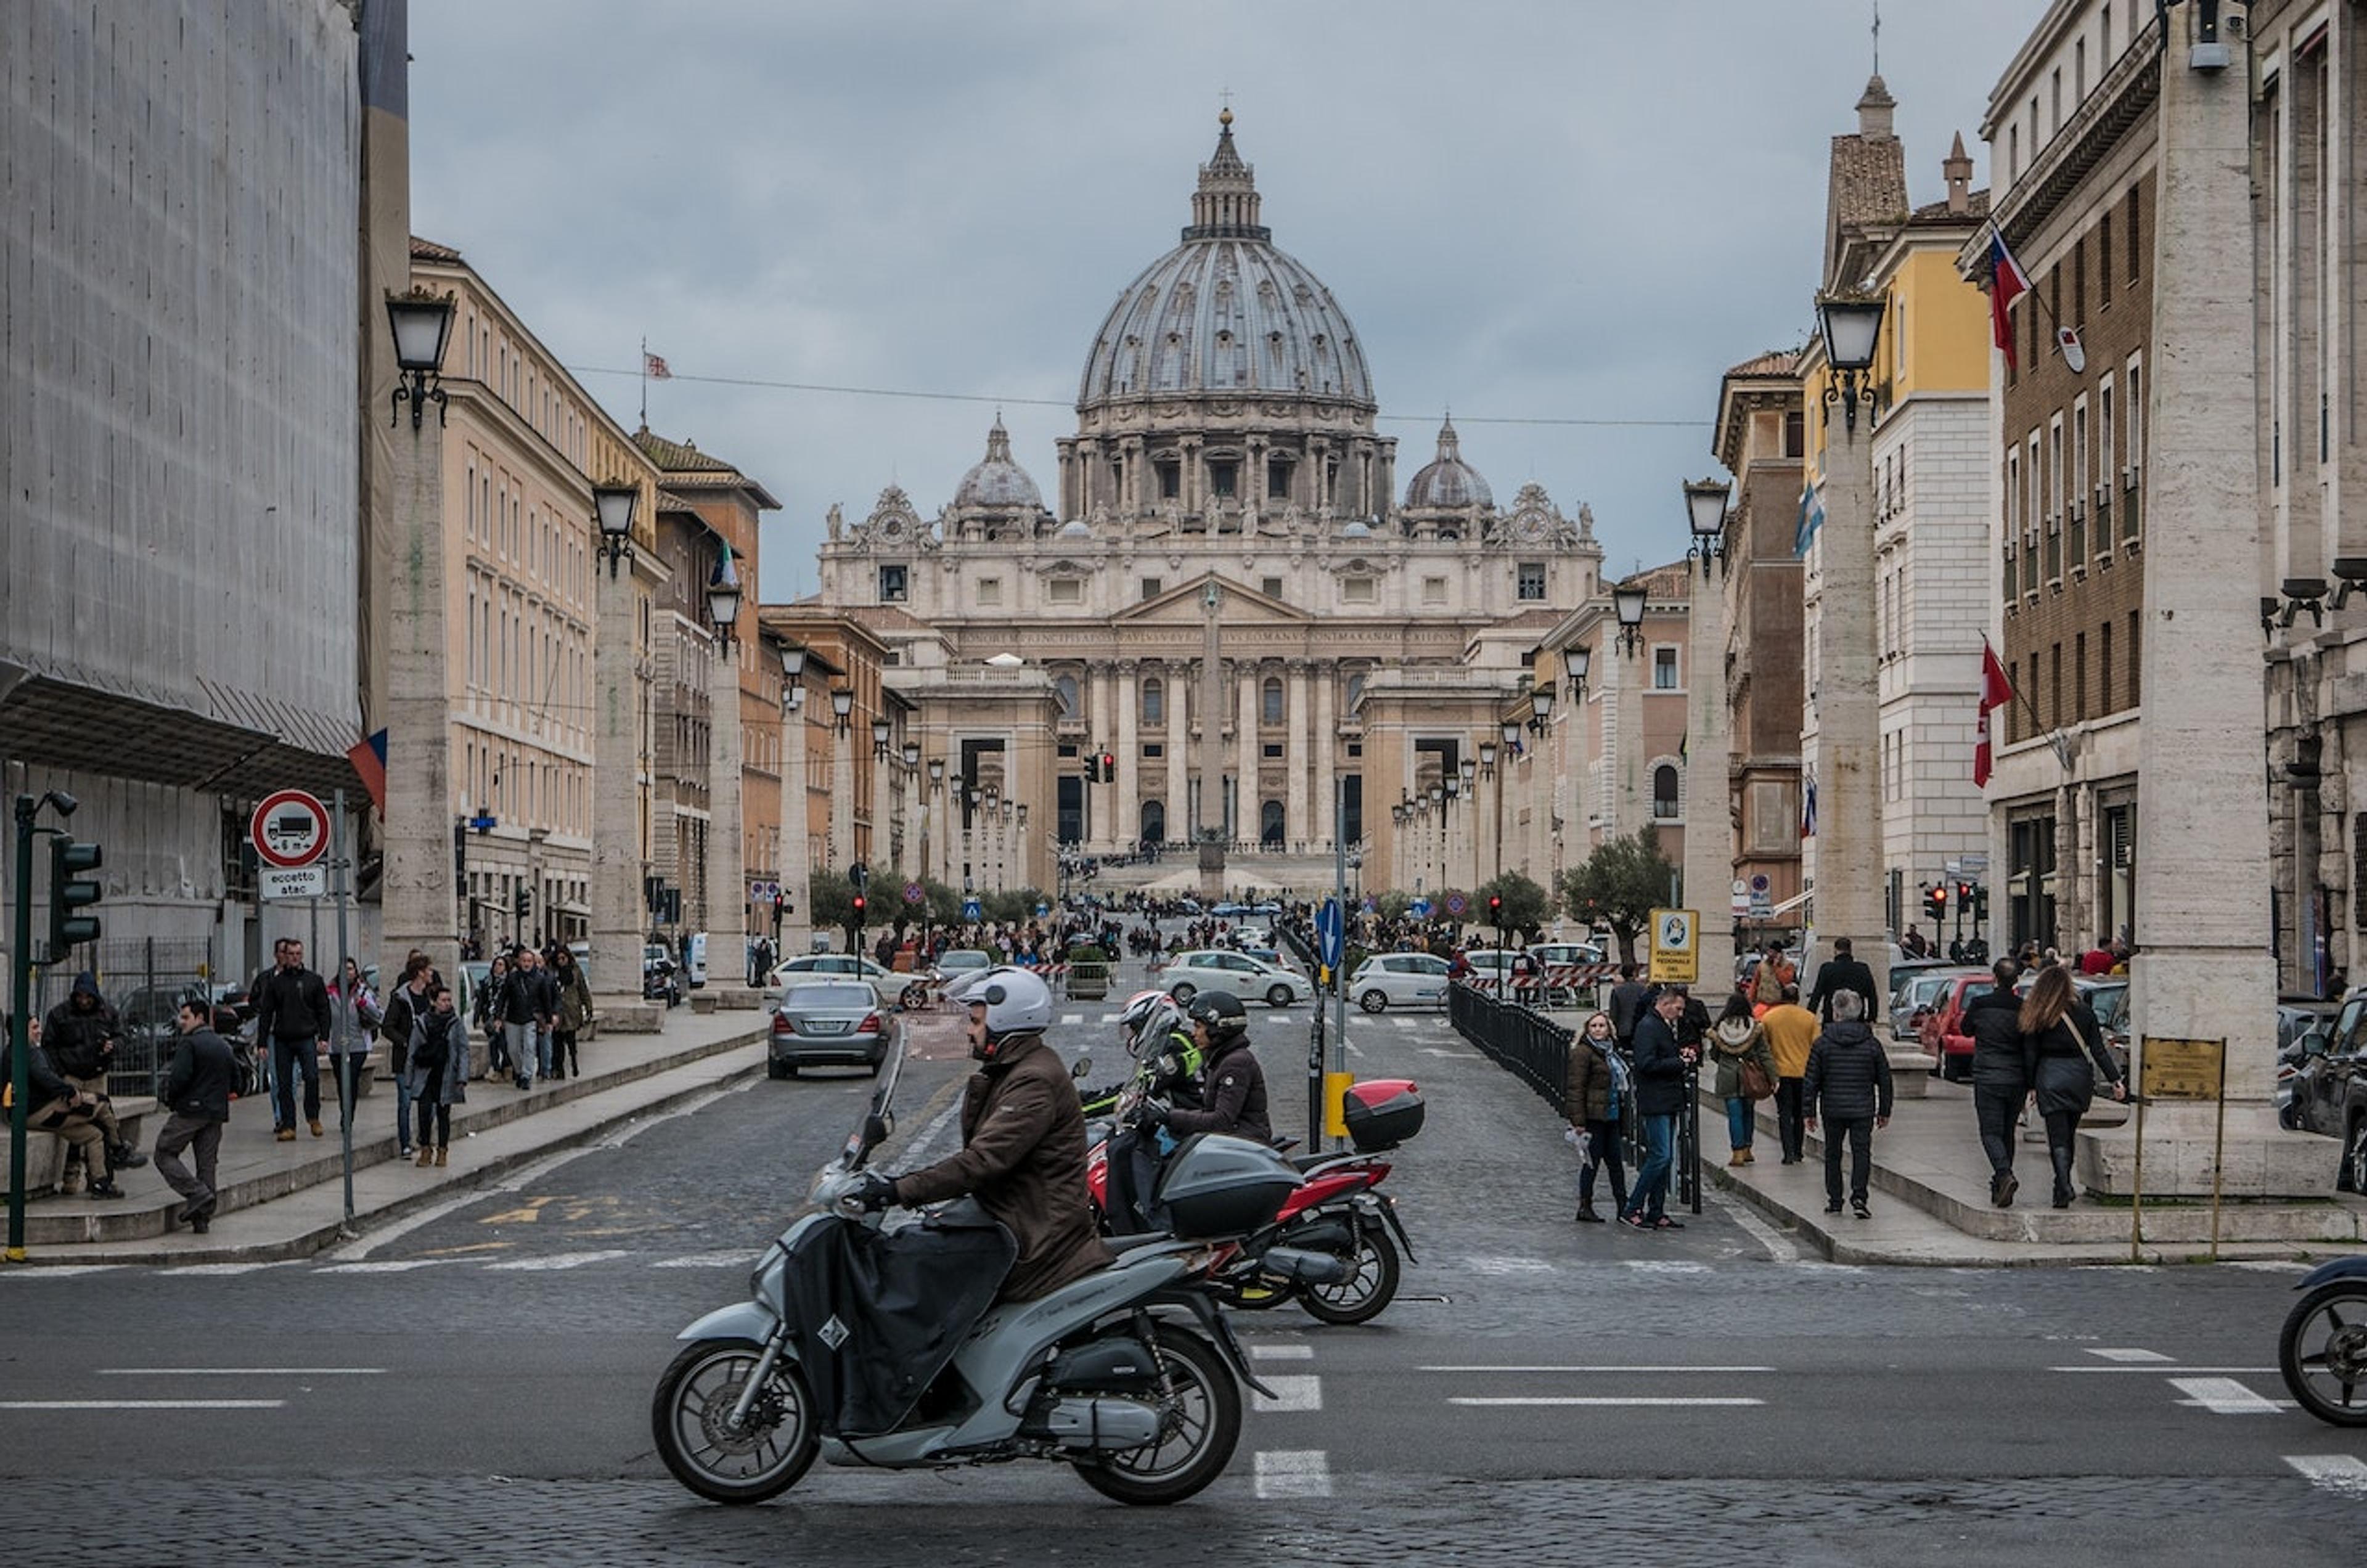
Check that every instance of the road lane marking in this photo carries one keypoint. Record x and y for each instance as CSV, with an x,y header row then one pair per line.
x,y
1294,1472
556,1260
2109,1353
194,1269
1508,1266
1589,1371
241,1371
1282,1352
2223,1396
709,1261
1073,1017
142,1404
1665,1266
2345,1474
1549,1400
2229,1371
382,1265
1780,1248
1402,1023
1290,1393
60,1271
1111,1017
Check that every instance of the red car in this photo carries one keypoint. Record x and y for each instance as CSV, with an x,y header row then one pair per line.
x,y
1942,1035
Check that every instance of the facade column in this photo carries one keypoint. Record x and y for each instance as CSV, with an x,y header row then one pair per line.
x,y
883,839
1709,824
1245,755
1101,685
1626,810
797,850
1295,833
2202,970
618,921
1176,691
727,882
842,794
1851,885
420,908
1326,769
1125,794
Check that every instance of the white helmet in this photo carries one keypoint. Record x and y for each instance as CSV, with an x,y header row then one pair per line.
x,y
1147,1018
1016,1001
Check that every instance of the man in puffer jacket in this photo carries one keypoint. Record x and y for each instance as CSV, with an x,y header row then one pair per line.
x,y
1848,1084
2001,1076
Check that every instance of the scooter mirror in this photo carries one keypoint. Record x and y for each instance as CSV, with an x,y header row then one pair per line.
x,y
1082,1068
876,1130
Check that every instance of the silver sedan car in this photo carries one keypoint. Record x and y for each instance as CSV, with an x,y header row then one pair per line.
x,y
829,1022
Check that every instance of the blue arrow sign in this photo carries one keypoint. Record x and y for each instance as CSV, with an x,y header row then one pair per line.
x,y
972,910
1330,933
1419,908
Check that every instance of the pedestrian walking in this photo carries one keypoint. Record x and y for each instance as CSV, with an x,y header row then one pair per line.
x,y
197,1091
1660,1067
1627,1005
1791,1029
1845,970
292,1013
1849,1085
1746,1073
2001,1076
1595,1093
404,1006
2061,1040
354,1016
486,1018
439,1077
574,1013
518,1013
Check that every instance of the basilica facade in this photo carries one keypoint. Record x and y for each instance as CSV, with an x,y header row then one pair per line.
x,y
1226,624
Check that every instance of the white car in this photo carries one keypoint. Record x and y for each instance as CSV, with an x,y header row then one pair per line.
x,y
885,983
1214,969
1400,980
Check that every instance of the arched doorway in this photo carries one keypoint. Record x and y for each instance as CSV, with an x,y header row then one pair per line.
x,y
1270,825
1154,823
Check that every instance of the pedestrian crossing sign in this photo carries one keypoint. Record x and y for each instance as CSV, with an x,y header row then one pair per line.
x,y
1676,947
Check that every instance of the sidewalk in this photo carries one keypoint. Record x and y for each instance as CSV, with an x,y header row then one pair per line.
x,y
1930,1200
281,1201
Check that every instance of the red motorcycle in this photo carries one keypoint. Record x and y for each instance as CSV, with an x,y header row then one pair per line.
x,y
1334,1244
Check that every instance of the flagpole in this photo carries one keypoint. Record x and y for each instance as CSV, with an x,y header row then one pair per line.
x,y
645,381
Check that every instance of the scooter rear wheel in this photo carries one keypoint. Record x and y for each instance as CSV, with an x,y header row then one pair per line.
x,y
1201,1424
2323,1353
1370,1286
690,1417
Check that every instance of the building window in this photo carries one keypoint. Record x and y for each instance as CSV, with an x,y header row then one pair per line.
x,y
2136,248
2104,668
1355,689
1277,478
1150,588
1270,587
891,584
1664,670
1355,748
2104,262
1664,792
1065,688
1171,478
1433,590
1154,702
1356,589
1273,750
990,590
1221,476
1067,590
1270,701
1531,583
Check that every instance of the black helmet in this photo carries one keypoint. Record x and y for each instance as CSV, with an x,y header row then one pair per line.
x,y
1221,1011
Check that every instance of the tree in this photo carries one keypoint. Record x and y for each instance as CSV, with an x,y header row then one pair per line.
x,y
1013,906
830,900
945,902
1526,903
1619,886
1393,904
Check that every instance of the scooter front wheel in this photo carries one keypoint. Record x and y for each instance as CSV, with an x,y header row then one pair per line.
x,y
1200,1421
1371,1284
2323,1353
691,1417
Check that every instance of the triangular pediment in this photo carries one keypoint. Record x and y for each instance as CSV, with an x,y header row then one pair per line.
x,y
1180,606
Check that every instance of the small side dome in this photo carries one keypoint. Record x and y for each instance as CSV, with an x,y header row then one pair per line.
x,y
997,483
1357,529
1074,528
1447,481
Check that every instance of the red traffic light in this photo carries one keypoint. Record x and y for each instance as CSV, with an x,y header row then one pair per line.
x,y
859,906
1109,765
1495,903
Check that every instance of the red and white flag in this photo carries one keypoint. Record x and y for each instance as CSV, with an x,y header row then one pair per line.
x,y
655,367
1995,692
2008,283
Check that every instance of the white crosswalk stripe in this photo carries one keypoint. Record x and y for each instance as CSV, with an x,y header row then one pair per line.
x,y
708,1260
556,1260
1294,1472
1073,1017
2223,1396
2345,1474
205,1268
385,1266
1302,1393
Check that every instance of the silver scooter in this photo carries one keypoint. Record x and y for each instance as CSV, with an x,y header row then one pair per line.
x,y
1129,1374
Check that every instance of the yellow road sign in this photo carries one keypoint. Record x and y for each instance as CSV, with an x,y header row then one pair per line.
x,y
2180,1069
1676,947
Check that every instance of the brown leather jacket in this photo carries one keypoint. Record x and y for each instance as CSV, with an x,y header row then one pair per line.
x,y
1023,1156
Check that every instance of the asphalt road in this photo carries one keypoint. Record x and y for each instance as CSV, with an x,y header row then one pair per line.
x,y
475,1386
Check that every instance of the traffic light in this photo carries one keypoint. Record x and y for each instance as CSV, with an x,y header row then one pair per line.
x,y
1495,908
1093,767
859,902
1963,895
1980,904
1935,902
71,890
1109,767
525,904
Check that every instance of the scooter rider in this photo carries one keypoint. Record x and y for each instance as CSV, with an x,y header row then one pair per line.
x,y
1159,1038
1233,1086
1023,1154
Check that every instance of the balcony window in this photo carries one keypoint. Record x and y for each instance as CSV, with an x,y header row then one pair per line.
x,y
1664,792
1532,583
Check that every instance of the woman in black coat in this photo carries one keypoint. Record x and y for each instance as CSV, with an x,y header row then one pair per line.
x,y
2060,1040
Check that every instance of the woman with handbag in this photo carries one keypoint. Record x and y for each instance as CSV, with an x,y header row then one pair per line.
x,y
2060,1039
1746,1072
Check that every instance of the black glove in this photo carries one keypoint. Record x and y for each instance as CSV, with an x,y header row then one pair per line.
x,y
875,1192
1150,1113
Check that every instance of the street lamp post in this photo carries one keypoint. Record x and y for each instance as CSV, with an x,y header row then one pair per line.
x,y
796,843
420,908
727,883
1846,849
940,833
1629,810
619,909
842,778
1709,823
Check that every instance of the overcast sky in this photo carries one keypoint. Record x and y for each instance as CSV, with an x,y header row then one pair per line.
x,y
1574,210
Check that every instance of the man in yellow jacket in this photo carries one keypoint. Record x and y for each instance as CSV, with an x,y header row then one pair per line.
x,y
1791,1029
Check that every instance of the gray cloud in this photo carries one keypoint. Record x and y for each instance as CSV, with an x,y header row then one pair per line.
x,y
1576,211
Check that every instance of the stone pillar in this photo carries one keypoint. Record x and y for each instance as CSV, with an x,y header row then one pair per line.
x,y
842,792
1126,795
1326,760
1295,830
1176,691
1846,756
1212,749
727,882
420,909
2202,969
796,848
618,920
1629,807
1709,824
1101,727
1245,754
883,854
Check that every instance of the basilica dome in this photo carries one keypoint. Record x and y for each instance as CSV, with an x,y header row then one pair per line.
x,y
1447,480
998,483
1225,313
